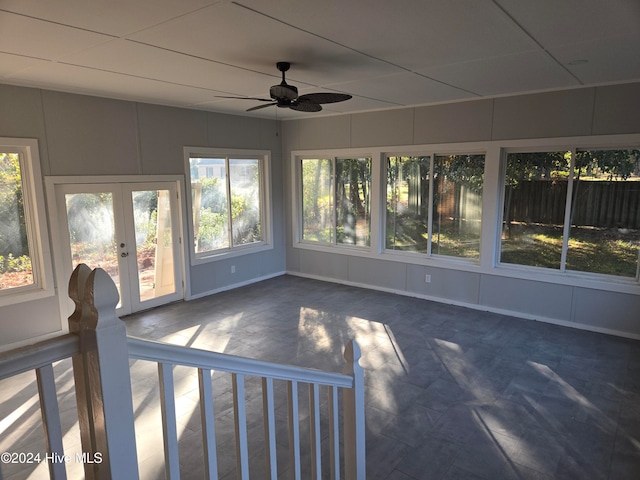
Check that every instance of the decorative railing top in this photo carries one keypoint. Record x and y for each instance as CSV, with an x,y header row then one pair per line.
x,y
95,297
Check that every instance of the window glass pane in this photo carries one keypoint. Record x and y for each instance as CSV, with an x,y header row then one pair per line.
x,y
457,205
15,257
209,200
535,195
407,203
244,179
353,214
605,212
317,200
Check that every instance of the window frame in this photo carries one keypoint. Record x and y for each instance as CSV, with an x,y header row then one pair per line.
x,y
264,159
36,223
297,208
431,154
492,209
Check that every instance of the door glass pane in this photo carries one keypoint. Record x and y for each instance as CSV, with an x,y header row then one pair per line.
x,y
92,232
244,183
154,243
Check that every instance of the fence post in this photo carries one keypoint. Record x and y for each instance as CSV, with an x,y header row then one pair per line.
x,y
102,378
354,421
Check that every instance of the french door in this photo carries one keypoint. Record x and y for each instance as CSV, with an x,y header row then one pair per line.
x,y
131,230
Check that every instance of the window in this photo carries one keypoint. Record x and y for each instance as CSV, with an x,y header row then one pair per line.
x,y
575,210
228,201
336,206
22,227
444,222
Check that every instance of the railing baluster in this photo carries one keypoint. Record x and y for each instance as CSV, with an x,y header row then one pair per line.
x,y
294,429
208,424
240,417
169,424
51,420
354,426
268,413
314,418
334,433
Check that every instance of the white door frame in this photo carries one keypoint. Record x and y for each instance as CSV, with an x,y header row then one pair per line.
x,y
61,267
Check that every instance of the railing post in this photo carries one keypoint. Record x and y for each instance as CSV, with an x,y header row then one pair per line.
x,y
354,421
102,378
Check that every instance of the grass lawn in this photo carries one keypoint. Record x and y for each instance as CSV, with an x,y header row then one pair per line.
x,y
609,251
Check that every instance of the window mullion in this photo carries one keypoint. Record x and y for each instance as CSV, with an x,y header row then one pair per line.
x,y
430,206
567,213
228,187
334,207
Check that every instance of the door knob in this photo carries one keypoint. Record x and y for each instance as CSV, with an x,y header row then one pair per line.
x,y
124,254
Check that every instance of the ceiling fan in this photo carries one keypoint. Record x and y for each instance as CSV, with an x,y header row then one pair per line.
x,y
286,96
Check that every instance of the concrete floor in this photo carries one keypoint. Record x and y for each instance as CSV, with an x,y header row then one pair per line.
x,y
451,393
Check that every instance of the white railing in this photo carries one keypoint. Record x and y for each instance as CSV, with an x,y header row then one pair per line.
x,y
40,358
101,351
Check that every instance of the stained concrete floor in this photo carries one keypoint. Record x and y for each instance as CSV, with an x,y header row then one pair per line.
x,y
451,393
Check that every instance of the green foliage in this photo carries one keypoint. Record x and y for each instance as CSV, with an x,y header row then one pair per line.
x,y
213,215
612,164
214,212
10,264
522,167
211,234
467,170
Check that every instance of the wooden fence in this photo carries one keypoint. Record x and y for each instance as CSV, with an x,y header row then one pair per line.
x,y
603,204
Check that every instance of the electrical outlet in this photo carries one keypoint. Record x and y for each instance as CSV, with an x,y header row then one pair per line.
x,y
427,278
233,269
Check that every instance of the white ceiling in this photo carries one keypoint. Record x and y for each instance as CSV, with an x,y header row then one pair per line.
x,y
385,53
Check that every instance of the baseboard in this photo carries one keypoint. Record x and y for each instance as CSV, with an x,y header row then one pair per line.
x,y
474,306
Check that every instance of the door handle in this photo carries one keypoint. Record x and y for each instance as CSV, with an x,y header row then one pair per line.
x,y
124,254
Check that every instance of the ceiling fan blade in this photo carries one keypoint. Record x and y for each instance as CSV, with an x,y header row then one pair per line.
x,y
261,106
247,98
305,105
328,97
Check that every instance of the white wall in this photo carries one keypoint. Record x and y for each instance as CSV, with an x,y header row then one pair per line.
x,y
581,113
84,135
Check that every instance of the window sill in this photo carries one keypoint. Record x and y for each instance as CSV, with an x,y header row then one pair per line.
x,y
218,255
595,281
342,249
23,295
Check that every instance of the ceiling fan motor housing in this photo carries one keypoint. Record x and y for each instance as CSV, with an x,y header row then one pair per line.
x,y
283,92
